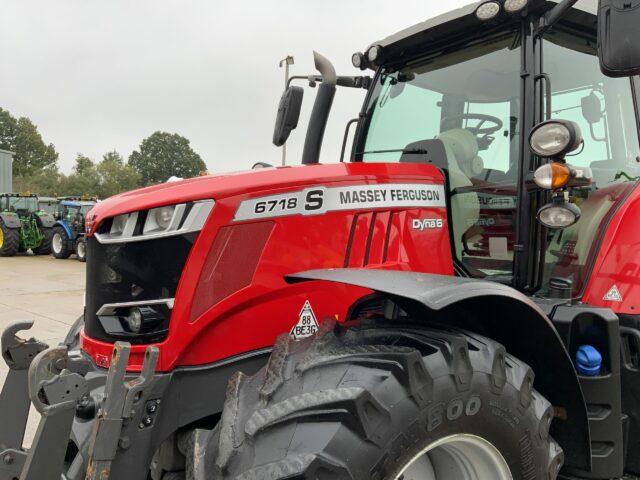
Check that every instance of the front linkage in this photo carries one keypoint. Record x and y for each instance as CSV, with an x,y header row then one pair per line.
x,y
43,376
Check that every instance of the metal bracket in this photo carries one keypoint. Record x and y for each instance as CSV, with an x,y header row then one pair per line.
x,y
14,397
54,392
120,399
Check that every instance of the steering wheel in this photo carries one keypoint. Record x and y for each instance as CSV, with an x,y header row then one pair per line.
x,y
484,134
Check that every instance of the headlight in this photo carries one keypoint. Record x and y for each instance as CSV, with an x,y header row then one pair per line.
x,y
163,216
487,11
157,222
514,6
118,224
555,138
559,214
134,320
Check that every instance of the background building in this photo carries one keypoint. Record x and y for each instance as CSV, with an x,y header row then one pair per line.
x,y
6,171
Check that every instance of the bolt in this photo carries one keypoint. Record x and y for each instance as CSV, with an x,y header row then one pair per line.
x,y
8,459
141,426
124,443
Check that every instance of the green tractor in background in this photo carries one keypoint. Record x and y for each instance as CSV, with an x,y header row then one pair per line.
x,y
23,226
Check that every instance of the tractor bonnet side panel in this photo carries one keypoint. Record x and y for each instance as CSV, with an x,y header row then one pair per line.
x,y
615,278
233,297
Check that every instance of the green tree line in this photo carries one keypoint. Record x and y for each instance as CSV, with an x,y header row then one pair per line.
x,y
35,164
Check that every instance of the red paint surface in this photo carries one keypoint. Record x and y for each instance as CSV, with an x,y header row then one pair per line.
x,y
253,316
618,260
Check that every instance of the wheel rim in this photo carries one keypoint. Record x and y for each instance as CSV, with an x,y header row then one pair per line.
x,y
81,249
56,242
1,238
458,457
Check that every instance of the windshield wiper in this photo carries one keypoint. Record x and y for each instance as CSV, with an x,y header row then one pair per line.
x,y
408,151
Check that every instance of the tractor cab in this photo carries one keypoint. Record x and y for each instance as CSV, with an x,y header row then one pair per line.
x,y
21,203
465,91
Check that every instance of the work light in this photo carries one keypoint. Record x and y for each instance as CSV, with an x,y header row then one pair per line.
x,y
374,53
559,214
514,6
358,60
487,11
555,138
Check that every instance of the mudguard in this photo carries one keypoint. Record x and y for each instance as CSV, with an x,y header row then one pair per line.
x,y
10,220
66,229
501,313
46,220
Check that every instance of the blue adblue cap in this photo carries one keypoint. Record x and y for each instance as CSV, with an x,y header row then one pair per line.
x,y
588,361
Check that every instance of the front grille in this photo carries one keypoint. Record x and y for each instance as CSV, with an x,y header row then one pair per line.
x,y
132,272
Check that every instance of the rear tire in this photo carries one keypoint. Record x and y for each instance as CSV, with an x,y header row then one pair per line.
x,y
375,403
45,245
9,240
81,250
61,247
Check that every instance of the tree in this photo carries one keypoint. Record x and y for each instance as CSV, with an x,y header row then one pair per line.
x,y
163,155
115,175
8,129
84,180
22,137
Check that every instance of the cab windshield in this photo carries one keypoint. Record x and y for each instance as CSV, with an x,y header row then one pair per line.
x,y
29,204
469,102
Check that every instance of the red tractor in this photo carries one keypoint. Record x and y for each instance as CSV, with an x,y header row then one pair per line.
x,y
459,300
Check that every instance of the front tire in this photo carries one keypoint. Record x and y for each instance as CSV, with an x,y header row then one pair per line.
x,y
9,240
389,404
61,247
81,250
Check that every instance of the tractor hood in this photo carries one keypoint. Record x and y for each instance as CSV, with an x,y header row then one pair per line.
x,y
249,182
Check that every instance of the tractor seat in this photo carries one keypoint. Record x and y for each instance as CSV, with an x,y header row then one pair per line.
x,y
455,151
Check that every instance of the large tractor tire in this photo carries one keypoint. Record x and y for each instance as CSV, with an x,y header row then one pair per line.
x,y
61,244
45,245
9,240
81,250
394,403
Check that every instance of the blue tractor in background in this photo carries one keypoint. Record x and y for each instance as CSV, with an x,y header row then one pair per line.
x,y
68,232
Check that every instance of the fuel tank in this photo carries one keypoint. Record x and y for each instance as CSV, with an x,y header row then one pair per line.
x,y
231,297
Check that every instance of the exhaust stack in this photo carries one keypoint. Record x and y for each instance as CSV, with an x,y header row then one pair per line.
x,y
321,109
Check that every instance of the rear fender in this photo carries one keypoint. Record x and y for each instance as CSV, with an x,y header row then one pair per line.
x,y
11,221
496,311
66,229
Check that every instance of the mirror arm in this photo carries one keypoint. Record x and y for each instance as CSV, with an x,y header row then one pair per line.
x,y
341,81
555,14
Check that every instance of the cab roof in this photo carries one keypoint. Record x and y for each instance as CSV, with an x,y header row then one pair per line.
x,y
457,23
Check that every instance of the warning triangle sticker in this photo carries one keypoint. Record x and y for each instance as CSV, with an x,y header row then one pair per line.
x,y
613,295
307,323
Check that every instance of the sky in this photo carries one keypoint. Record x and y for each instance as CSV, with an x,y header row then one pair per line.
x,y
99,75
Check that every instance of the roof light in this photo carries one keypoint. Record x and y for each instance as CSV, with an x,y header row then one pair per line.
x,y
555,138
487,11
358,60
514,6
374,53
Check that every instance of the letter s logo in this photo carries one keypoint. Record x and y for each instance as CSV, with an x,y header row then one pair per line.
x,y
314,200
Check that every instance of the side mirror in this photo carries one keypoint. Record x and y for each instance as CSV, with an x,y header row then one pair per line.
x,y
618,46
288,114
591,108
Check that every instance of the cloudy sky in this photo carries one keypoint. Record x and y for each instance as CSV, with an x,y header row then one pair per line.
x,y
98,75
